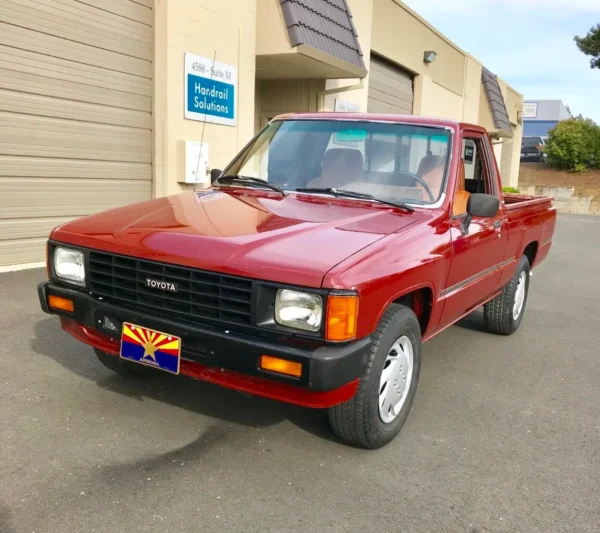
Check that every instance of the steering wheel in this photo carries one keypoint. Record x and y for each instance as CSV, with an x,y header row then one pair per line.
x,y
422,183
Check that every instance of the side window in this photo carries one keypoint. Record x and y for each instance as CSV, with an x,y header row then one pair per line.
x,y
477,176
474,174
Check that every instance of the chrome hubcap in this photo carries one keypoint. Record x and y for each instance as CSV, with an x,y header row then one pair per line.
x,y
520,295
396,377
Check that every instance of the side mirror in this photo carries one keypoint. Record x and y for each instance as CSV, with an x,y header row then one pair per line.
x,y
214,174
480,205
483,205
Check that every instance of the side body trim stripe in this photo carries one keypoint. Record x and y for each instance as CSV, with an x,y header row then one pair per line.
x,y
475,277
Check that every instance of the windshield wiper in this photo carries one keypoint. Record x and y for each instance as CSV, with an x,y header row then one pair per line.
x,y
358,195
248,180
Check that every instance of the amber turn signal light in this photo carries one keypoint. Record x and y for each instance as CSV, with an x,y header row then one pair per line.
x,y
342,315
58,302
281,366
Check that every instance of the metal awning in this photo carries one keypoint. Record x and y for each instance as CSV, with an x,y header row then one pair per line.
x,y
497,104
323,29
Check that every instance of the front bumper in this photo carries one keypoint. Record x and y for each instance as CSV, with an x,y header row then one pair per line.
x,y
329,373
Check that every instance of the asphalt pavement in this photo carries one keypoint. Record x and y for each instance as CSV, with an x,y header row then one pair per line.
x,y
504,435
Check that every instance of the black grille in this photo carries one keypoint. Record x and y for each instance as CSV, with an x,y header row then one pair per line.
x,y
200,295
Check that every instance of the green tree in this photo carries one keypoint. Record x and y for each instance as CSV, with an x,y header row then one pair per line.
x,y
590,45
574,144
586,120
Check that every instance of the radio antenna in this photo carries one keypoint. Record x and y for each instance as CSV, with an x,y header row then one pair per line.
x,y
212,71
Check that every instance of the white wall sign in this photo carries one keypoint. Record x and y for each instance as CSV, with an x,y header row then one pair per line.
x,y
210,90
530,110
344,106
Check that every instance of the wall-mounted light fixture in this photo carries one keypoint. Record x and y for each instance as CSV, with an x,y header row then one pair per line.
x,y
519,117
429,56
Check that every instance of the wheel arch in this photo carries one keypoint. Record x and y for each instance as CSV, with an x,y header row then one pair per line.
x,y
531,251
419,298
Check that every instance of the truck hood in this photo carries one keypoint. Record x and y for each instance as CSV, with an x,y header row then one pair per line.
x,y
295,239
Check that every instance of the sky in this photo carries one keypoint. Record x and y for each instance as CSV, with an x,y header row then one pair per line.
x,y
528,43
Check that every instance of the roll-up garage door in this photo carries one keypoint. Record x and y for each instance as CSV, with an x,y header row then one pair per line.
x,y
75,114
390,88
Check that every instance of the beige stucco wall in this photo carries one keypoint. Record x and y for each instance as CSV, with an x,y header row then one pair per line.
x,y
272,39
514,105
513,100
402,36
510,149
516,159
473,90
433,100
274,97
450,87
202,28
362,17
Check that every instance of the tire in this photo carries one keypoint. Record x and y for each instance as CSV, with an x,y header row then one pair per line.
x,y
359,421
500,313
123,368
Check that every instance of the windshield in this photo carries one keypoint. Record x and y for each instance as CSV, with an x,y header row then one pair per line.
x,y
400,161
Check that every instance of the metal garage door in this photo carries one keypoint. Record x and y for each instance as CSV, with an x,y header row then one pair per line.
x,y
75,114
390,88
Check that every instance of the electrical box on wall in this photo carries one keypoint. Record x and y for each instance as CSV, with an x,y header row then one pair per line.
x,y
195,158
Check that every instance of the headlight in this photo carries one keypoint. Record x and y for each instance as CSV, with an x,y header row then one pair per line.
x,y
299,310
69,265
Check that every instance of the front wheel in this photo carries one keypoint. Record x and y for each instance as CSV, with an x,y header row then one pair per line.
x,y
504,313
388,385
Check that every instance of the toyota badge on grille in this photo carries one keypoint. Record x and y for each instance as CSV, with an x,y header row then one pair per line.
x,y
164,285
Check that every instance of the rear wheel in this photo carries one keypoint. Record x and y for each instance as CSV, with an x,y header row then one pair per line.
x,y
121,367
504,313
387,388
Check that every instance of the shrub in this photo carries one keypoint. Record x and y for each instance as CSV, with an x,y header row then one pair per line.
x,y
512,190
574,144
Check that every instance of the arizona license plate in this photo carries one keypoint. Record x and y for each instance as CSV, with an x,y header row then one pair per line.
x,y
149,347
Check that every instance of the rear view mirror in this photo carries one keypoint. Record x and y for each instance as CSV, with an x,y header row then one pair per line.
x,y
214,174
480,205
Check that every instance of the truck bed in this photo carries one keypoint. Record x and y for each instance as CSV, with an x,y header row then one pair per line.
x,y
514,202
531,219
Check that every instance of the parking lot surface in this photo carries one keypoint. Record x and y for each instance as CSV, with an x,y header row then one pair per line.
x,y
504,434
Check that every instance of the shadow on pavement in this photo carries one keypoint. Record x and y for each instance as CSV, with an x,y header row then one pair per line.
x,y
5,520
473,322
180,391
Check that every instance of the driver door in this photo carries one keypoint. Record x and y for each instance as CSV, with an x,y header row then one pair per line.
x,y
477,256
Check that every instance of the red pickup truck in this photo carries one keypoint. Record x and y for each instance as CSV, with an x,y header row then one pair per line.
x,y
313,268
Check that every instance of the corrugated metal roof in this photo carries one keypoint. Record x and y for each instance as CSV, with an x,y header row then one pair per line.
x,y
496,100
325,25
